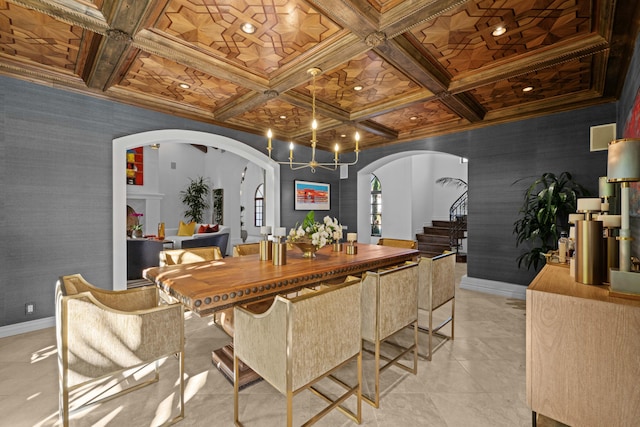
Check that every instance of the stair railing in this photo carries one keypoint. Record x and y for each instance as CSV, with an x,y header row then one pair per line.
x,y
458,221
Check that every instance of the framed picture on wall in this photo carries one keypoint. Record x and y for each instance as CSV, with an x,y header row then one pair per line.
x,y
314,196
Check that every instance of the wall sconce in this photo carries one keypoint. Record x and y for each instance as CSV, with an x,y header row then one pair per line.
x,y
623,166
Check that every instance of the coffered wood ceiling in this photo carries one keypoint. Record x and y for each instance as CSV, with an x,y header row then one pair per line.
x,y
426,67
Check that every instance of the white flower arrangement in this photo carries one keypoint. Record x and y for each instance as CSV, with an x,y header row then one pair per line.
x,y
316,233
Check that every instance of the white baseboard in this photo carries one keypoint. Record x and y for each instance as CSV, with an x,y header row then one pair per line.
x,y
24,327
508,290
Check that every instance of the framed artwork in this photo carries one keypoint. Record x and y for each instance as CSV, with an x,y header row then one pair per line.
x,y
310,196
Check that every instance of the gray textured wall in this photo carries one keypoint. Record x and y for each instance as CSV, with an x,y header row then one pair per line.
x,y
55,193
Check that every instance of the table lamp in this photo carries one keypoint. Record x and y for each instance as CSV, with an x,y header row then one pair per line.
x,y
623,166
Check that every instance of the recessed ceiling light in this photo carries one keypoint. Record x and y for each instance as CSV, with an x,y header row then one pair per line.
x,y
343,135
413,118
358,88
283,117
248,28
184,86
499,30
527,89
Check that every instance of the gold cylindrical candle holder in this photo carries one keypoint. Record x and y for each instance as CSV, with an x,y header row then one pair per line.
x,y
265,250
589,253
352,249
337,247
279,253
161,230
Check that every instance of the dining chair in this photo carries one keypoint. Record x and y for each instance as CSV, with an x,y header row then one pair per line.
x,y
103,334
300,341
246,249
189,255
389,305
398,243
437,287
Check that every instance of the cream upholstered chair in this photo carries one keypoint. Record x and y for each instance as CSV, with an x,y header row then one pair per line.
x,y
189,255
301,340
437,286
389,304
103,333
246,249
398,243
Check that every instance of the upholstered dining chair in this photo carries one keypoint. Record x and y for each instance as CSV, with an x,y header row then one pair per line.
x,y
246,249
101,334
398,243
389,305
300,341
190,255
437,286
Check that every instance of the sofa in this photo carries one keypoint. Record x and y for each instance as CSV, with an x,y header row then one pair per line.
x,y
172,234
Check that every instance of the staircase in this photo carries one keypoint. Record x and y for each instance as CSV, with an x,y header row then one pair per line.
x,y
446,235
436,239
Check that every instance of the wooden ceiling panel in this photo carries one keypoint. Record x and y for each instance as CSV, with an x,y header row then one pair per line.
x,y
380,82
548,83
418,116
151,74
426,67
284,30
30,37
461,40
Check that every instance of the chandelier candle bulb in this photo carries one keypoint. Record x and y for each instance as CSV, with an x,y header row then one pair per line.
x,y
336,156
291,151
269,135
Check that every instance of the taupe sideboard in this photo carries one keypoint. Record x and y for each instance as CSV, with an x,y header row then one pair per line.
x,y
582,352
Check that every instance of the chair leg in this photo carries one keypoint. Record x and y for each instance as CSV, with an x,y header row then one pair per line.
x,y
453,315
430,334
289,408
236,382
181,372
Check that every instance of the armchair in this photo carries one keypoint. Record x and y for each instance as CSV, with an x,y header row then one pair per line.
x,y
101,334
246,249
388,306
300,341
437,286
398,243
188,256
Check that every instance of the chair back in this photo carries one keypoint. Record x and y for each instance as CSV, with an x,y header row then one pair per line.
x,y
246,249
437,280
189,256
389,301
398,243
296,343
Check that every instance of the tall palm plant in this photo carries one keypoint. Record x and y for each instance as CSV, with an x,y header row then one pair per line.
x,y
196,197
547,204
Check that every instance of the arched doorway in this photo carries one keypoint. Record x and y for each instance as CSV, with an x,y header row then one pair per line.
x,y
178,136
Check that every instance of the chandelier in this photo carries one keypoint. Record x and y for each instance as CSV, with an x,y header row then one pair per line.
x,y
313,164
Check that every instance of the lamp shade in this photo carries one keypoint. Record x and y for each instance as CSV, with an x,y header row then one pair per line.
x,y
623,162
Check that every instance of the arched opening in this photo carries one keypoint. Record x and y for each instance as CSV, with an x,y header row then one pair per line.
x,y
177,136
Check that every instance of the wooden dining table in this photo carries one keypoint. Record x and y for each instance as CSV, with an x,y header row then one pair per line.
x,y
210,286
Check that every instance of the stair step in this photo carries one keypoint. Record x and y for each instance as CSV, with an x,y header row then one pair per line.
x,y
439,223
432,238
434,247
440,231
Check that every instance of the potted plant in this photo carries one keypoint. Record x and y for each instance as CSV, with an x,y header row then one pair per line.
x,y
547,204
196,197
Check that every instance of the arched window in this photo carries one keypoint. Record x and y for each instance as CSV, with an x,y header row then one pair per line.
x,y
376,206
259,206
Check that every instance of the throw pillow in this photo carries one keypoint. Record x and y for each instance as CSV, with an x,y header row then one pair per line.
x,y
213,229
186,229
203,229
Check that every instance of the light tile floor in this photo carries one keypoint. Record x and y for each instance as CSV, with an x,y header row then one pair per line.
x,y
477,380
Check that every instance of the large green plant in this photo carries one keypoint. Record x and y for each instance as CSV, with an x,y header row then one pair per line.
x,y
547,204
196,197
